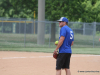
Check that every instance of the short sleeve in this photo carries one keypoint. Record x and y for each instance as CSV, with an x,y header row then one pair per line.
x,y
63,31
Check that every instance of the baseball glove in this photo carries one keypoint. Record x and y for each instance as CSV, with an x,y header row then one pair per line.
x,y
55,54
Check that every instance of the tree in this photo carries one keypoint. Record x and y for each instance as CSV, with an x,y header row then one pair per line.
x,y
74,10
83,10
5,8
91,13
18,8
56,9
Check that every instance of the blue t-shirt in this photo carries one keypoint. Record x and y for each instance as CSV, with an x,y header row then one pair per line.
x,y
69,37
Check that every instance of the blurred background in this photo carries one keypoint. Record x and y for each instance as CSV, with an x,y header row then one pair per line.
x,y
19,21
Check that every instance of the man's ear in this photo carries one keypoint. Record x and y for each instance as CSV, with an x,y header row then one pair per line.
x,y
65,23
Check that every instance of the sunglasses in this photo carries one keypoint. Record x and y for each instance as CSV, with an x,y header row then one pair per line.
x,y
61,21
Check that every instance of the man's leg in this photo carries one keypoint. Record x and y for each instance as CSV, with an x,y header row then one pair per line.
x,y
58,72
68,72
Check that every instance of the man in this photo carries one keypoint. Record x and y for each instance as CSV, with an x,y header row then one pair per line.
x,y
66,40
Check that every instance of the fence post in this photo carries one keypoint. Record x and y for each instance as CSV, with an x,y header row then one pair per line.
x,y
14,28
32,27
84,29
49,34
94,32
25,35
19,26
2,26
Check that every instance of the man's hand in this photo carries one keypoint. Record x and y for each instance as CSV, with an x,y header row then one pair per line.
x,y
55,54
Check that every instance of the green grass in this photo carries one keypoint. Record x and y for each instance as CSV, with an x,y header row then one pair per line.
x,y
17,41
95,51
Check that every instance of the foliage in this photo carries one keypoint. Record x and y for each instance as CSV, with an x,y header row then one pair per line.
x,y
76,10
18,8
91,13
67,8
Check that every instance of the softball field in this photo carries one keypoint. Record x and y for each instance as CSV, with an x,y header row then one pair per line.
x,y
36,63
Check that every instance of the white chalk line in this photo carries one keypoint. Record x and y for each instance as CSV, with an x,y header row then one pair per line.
x,y
26,57
45,56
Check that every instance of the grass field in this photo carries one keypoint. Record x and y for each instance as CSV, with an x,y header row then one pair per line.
x,y
30,41
95,51
83,44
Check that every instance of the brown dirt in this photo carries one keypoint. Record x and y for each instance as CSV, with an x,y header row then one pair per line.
x,y
32,63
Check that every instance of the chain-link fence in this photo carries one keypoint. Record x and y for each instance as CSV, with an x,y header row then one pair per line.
x,y
23,33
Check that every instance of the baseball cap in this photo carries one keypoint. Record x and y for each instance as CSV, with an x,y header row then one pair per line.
x,y
64,19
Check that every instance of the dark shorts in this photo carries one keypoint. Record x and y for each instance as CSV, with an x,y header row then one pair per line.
x,y
63,61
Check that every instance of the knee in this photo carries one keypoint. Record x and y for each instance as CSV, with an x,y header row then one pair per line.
x,y
67,69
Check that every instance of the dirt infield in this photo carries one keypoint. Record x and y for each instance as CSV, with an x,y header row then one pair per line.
x,y
32,63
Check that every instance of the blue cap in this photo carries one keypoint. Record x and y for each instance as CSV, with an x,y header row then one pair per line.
x,y
64,19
